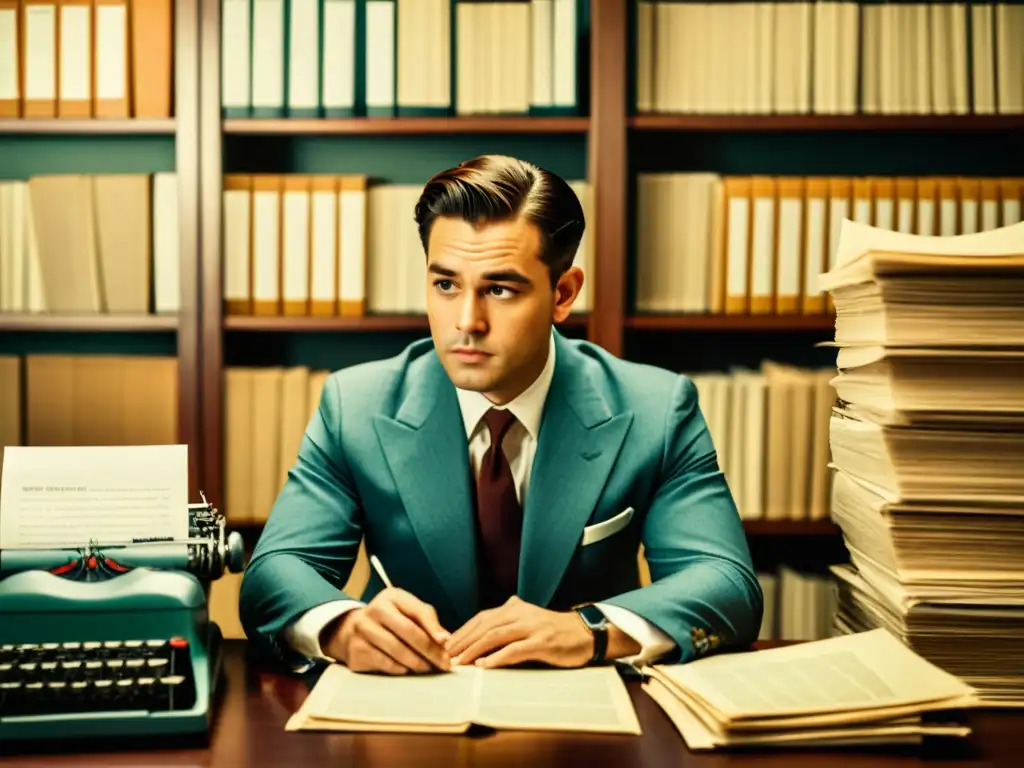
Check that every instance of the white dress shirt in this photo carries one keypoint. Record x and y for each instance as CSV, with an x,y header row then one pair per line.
x,y
519,445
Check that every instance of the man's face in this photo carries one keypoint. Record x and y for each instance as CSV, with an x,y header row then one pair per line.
x,y
491,305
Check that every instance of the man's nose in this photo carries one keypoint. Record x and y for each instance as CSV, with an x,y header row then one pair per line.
x,y
472,317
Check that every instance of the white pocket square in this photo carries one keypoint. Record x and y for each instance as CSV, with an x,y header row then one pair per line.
x,y
604,529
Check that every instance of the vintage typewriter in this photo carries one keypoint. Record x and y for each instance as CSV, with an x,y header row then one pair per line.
x,y
113,639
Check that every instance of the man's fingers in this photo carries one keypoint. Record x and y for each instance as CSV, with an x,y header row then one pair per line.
x,y
492,639
383,639
471,631
423,614
368,658
413,635
513,653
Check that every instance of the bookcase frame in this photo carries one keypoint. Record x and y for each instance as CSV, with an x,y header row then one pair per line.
x,y
199,129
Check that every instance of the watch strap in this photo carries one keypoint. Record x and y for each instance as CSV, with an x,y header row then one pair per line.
x,y
595,620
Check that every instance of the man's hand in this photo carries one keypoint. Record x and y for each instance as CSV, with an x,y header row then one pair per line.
x,y
519,631
396,633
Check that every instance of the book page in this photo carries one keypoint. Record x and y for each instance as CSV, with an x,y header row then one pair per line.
x,y
590,699
864,671
435,701
71,495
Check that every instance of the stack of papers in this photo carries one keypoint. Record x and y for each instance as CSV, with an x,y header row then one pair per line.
x,y
593,699
860,689
927,441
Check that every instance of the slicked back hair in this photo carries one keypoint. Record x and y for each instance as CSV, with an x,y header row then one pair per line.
x,y
493,188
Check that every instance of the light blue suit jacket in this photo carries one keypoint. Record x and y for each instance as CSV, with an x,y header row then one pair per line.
x,y
386,456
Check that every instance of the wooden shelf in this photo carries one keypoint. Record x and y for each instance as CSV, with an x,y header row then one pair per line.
x,y
744,323
88,323
791,528
341,324
826,122
85,127
406,125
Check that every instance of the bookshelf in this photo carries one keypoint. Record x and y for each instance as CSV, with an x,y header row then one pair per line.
x,y
57,145
609,146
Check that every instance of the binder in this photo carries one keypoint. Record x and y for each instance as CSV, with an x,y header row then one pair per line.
x,y
269,61
111,47
341,48
152,47
304,57
295,250
266,245
10,59
39,57
324,229
380,61
75,58
236,37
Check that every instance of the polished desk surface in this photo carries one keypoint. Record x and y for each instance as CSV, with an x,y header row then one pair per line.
x,y
249,731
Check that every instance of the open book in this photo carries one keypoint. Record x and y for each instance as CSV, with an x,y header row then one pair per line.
x,y
592,699
865,688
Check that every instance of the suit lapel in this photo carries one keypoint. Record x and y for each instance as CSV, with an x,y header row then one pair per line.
x,y
579,441
426,449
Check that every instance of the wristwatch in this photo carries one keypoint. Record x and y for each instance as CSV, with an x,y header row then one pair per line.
x,y
595,620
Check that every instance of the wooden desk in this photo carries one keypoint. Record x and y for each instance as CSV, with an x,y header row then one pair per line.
x,y
249,731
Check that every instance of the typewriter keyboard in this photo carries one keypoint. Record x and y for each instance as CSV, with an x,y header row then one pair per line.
x,y
119,675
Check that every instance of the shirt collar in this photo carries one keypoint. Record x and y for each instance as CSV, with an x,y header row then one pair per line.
x,y
527,407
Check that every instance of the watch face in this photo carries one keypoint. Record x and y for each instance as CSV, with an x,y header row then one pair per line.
x,y
593,615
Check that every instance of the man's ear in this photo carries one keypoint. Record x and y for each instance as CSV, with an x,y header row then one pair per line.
x,y
567,289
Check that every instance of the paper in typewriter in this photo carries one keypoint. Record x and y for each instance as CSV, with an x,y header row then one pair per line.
x,y
593,699
71,495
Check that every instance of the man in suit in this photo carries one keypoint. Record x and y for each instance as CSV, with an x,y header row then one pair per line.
x,y
503,475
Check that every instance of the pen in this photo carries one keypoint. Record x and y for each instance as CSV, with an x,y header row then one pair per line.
x,y
380,571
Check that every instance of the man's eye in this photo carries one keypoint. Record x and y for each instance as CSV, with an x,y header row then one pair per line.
x,y
444,285
501,291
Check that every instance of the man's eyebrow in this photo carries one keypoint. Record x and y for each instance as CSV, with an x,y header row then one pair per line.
x,y
437,269
508,276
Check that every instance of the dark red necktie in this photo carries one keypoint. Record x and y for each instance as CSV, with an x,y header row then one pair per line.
x,y
499,515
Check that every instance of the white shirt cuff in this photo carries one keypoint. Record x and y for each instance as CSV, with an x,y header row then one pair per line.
x,y
304,634
653,642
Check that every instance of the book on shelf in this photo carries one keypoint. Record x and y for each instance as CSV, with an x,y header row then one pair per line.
x,y
708,243
78,59
927,443
798,604
59,399
837,57
593,700
325,245
770,430
90,244
346,58
856,690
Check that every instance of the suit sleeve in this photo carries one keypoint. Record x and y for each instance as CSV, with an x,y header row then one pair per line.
x,y
310,541
704,592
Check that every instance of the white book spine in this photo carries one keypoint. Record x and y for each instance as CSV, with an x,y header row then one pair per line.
x,y
236,244
304,55
40,41
339,59
236,55
324,281
75,53
111,52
